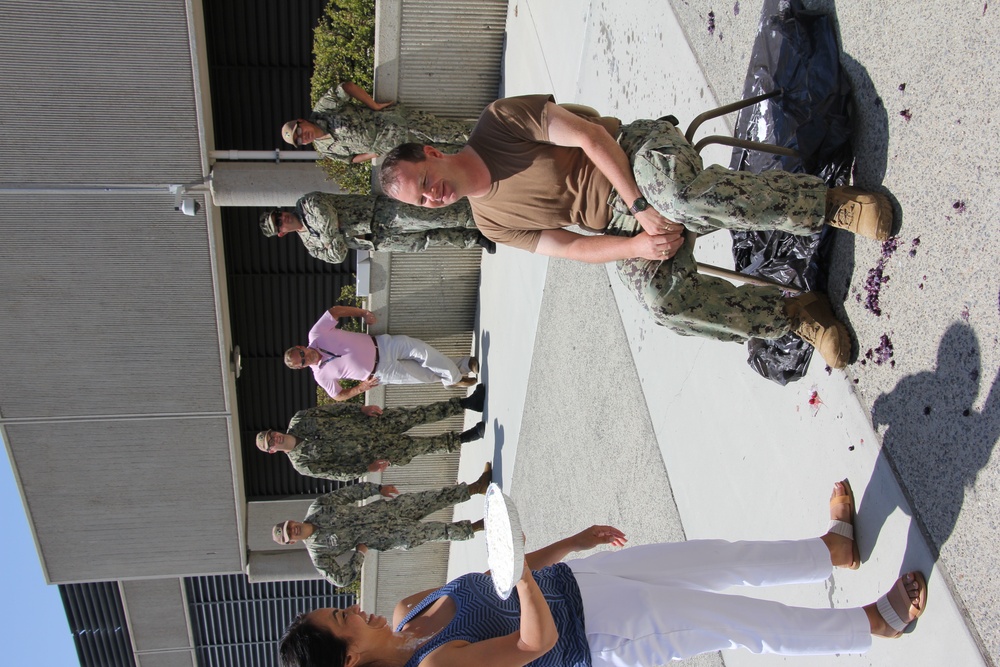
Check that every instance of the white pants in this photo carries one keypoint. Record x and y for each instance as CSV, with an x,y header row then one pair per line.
x,y
650,604
406,360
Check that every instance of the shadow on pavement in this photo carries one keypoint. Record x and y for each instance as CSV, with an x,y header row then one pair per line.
x,y
498,430
935,442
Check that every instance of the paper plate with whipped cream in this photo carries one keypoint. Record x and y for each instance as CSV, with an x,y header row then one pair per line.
x,y
504,541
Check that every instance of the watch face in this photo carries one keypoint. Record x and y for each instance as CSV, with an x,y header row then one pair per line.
x,y
639,204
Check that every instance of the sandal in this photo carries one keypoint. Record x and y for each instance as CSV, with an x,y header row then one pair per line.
x,y
844,528
888,612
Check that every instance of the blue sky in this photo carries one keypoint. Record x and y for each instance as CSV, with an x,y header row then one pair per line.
x,y
33,626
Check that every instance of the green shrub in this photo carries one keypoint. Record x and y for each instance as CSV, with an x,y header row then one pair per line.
x,y
355,179
344,46
344,50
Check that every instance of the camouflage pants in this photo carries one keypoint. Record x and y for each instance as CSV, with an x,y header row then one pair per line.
x,y
402,519
398,227
670,174
446,134
387,431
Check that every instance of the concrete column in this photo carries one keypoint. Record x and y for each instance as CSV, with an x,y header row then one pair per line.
x,y
266,183
291,565
388,27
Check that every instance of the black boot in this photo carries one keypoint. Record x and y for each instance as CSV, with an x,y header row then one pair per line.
x,y
475,401
475,433
488,245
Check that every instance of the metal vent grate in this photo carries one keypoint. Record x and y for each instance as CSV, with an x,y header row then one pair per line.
x,y
239,623
97,621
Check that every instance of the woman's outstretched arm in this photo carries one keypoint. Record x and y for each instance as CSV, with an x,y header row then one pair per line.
x,y
582,541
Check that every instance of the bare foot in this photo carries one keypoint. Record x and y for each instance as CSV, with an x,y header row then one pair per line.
x,y
483,483
902,605
840,538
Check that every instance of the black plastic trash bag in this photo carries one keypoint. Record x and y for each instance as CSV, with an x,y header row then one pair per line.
x,y
795,51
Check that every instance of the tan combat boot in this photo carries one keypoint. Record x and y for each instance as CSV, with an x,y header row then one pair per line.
x,y
816,324
867,214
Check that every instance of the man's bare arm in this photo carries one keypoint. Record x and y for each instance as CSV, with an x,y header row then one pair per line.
x,y
361,95
567,129
601,249
350,311
360,388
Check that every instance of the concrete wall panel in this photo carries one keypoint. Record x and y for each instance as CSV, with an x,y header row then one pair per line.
x,y
129,499
92,98
105,313
157,615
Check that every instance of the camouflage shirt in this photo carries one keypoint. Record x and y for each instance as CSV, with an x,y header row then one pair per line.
x,y
332,515
336,223
355,129
340,525
335,442
339,441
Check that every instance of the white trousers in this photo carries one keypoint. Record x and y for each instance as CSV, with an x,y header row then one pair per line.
x,y
406,360
650,604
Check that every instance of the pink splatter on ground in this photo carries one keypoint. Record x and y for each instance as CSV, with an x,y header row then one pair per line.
x,y
913,246
815,402
736,9
959,206
965,313
907,116
711,23
902,87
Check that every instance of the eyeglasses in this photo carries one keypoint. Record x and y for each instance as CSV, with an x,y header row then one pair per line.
x,y
302,357
297,133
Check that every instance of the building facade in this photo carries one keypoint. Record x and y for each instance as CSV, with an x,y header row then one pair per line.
x,y
143,345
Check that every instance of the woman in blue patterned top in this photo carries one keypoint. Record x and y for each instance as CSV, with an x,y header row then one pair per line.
x,y
644,605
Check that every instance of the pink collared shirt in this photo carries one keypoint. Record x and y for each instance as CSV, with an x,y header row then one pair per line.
x,y
345,355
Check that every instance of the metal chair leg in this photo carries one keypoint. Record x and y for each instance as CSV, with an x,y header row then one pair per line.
x,y
712,270
733,141
745,143
724,109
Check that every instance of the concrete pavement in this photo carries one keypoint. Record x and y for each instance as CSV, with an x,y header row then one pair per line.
x,y
599,416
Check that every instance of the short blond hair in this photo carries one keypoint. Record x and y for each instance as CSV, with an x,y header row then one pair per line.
x,y
292,357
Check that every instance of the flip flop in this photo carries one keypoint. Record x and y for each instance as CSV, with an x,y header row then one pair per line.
x,y
844,528
888,612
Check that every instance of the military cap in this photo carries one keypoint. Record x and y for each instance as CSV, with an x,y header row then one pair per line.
x,y
280,533
264,440
267,224
288,132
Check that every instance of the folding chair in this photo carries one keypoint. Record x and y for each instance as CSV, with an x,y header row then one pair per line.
x,y
690,237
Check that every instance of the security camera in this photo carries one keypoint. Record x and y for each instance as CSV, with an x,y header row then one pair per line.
x,y
188,206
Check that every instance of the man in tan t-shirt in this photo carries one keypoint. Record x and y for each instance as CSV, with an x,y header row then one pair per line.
x,y
531,168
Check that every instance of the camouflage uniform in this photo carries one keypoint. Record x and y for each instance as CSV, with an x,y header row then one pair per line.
x,y
341,525
670,174
336,223
339,442
355,129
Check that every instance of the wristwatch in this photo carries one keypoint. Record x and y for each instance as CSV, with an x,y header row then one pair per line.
x,y
638,206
